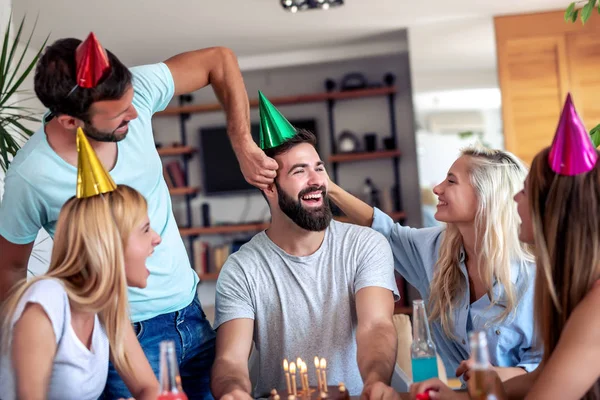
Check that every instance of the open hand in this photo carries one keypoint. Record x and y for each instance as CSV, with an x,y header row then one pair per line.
x,y
465,368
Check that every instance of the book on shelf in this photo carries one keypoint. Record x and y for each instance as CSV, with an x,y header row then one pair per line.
x,y
168,178
175,174
201,257
209,259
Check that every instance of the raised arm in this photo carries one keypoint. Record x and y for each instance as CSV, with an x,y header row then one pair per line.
x,y
357,210
414,250
143,385
33,350
230,378
218,67
13,264
376,339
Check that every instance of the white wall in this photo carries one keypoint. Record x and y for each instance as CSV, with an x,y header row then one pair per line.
x,y
441,115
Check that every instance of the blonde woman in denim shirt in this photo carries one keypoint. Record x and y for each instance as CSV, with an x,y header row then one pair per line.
x,y
474,273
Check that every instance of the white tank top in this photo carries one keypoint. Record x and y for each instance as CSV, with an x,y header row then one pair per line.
x,y
78,373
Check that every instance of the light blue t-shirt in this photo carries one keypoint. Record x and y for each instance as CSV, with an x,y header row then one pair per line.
x,y
39,182
510,342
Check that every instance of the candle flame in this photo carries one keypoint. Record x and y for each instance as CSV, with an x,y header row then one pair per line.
x,y
316,362
323,363
303,368
298,362
285,364
293,367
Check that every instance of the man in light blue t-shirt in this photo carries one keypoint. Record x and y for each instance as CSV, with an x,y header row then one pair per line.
x,y
116,116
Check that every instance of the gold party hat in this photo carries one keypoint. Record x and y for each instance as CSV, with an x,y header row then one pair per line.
x,y
92,178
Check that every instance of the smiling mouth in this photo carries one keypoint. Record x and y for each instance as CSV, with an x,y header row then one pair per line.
x,y
313,198
442,203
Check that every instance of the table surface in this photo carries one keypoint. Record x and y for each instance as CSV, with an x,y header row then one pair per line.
x,y
403,396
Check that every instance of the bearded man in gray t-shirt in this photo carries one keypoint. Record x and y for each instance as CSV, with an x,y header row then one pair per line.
x,y
307,286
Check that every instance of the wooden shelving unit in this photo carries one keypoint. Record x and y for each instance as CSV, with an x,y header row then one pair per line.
x,y
185,109
176,150
373,155
219,229
287,100
182,191
237,228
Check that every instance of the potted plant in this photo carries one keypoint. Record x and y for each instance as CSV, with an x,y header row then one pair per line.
x,y
13,71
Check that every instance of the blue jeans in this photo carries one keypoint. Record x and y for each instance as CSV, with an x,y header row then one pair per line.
x,y
194,343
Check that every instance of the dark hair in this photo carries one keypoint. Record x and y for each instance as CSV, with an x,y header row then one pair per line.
x,y
55,77
302,136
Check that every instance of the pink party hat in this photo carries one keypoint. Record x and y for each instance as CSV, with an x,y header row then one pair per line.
x,y
572,151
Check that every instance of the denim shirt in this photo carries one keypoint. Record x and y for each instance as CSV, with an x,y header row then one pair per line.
x,y
510,342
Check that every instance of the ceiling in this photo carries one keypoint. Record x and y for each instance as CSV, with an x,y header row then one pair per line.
x,y
443,34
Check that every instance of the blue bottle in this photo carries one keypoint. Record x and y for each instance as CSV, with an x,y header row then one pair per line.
x,y
422,351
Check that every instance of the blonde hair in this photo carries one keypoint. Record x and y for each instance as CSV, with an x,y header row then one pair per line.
x,y
496,176
566,228
88,258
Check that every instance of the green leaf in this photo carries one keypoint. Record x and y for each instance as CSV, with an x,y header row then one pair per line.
x,y
569,12
575,16
11,90
586,12
595,134
14,69
3,55
4,161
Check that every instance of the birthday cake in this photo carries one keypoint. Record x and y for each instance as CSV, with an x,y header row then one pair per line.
x,y
303,390
333,392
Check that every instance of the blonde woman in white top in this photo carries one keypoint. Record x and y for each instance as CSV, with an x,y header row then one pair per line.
x,y
59,330
60,325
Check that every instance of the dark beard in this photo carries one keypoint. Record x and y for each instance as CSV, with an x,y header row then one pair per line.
x,y
99,136
314,219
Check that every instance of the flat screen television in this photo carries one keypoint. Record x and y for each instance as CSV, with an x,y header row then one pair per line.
x,y
221,172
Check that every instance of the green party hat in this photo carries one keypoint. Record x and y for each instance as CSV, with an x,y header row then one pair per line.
x,y
274,128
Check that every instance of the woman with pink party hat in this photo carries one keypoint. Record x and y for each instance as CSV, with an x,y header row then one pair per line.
x,y
560,212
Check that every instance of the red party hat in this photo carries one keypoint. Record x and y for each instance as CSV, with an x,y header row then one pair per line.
x,y
92,62
572,151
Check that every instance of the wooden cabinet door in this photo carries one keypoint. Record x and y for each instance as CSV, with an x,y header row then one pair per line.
x,y
583,51
533,81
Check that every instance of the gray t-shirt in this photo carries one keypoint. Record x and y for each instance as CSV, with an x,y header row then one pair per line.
x,y
305,306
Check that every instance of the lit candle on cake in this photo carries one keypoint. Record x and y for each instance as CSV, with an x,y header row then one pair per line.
x,y
323,366
287,376
293,372
304,377
318,373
